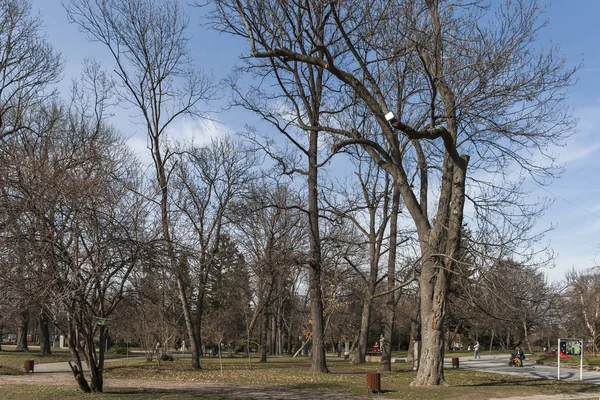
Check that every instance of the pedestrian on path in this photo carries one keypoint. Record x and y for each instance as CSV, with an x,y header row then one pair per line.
x,y
476,350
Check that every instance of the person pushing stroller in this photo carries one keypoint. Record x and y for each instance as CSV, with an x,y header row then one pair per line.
x,y
517,357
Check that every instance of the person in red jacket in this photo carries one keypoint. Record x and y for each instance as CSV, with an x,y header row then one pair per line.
x,y
376,347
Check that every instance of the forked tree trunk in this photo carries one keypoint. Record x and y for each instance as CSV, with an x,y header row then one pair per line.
x,y
436,271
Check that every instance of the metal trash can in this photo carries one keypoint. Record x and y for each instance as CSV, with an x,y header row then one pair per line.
x,y
455,362
373,382
28,365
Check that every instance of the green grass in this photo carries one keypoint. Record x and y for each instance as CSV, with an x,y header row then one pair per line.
x,y
345,378
11,361
574,360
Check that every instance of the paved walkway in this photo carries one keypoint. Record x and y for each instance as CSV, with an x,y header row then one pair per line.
x,y
499,365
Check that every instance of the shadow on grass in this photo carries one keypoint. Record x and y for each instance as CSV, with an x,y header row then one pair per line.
x,y
163,394
540,383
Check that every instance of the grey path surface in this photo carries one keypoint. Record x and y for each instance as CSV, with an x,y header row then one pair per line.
x,y
499,365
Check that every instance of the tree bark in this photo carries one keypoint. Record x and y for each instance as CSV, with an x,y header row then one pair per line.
x,y
390,305
45,345
319,363
22,331
363,334
263,334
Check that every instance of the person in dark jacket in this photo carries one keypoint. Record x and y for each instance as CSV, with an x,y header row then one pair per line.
x,y
519,353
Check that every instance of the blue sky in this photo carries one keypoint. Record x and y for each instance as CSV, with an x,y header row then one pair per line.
x,y
571,24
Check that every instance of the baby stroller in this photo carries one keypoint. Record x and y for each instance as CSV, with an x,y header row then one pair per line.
x,y
516,358
514,361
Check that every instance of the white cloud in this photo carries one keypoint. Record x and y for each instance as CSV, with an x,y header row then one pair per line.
x,y
183,131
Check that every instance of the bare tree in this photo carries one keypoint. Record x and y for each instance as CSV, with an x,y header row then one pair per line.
x,y
296,112
80,227
28,65
461,91
583,293
207,181
156,77
270,230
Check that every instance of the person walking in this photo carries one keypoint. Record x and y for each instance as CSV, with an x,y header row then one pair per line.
x,y
519,353
476,350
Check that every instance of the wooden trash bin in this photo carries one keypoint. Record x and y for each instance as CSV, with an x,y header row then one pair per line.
x,y
455,362
28,365
373,382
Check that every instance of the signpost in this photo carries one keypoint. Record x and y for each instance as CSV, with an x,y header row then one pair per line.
x,y
571,346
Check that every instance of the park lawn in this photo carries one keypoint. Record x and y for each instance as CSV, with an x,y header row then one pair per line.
x,y
574,360
11,361
344,378
11,392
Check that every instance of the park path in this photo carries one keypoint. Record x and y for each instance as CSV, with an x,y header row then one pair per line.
x,y
499,365
60,374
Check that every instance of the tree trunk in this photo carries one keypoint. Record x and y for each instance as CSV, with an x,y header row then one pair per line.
x,y
492,340
390,305
433,311
526,337
436,271
319,363
22,331
77,366
363,334
273,335
96,366
45,347
264,326
1,337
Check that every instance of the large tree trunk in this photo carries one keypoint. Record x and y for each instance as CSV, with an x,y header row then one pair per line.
x,y
263,335
45,348
390,304
436,271
319,363
363,334
22,331
433,311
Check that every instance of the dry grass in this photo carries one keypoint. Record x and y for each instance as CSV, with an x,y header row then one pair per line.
x,y
345,378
